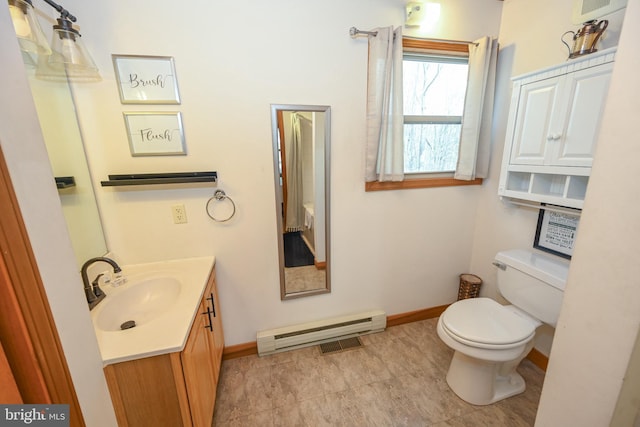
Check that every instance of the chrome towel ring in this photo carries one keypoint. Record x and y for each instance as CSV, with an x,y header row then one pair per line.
x,y
220,196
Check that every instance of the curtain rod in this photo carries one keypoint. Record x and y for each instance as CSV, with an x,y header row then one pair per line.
x,y
354,32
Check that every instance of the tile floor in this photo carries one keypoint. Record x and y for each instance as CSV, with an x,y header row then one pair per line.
x,y
396,379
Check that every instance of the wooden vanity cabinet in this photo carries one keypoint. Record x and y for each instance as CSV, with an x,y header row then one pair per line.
x,y
202,356
175,389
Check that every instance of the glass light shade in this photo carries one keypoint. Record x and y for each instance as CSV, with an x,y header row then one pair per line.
x,y
69,55
28,30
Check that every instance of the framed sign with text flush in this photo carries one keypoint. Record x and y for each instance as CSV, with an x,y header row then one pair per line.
x,y
155,134
556,231
146,79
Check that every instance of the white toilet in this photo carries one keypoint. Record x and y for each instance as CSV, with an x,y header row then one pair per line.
x,y
491,339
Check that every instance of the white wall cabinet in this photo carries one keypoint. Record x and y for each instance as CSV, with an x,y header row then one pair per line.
x,y
552,131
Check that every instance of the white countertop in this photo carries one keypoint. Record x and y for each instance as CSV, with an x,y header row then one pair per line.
x,y
167,333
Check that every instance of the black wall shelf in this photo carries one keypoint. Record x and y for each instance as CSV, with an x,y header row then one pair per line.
x,y
159,178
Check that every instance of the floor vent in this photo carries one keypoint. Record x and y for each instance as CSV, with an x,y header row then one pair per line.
x,y
340,345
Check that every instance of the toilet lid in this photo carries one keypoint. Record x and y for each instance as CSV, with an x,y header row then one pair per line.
x,y
484,321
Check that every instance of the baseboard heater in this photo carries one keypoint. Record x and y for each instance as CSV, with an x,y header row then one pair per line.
x,y
321,331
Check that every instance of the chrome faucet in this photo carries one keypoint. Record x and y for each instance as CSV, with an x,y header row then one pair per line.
x,y
91,290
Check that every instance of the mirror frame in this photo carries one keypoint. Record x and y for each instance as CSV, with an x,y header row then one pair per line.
x,y
275,108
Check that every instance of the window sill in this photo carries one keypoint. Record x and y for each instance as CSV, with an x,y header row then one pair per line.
x,y
409,184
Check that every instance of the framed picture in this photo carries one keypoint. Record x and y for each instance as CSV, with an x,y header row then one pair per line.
x,y
155,134
556,231
146,79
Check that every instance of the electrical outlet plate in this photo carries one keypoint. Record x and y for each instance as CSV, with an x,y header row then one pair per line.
x,y
179,214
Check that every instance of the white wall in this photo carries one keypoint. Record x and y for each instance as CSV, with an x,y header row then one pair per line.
x,y
26,156
399,251
320,148
627,410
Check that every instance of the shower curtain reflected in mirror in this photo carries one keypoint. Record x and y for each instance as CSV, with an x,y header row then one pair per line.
x,y
294,215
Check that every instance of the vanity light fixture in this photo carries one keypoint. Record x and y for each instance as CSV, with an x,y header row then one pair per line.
x,y
68,50
66,56
25,23
422,14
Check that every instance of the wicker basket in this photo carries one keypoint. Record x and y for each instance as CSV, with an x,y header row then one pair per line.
x,y
469,286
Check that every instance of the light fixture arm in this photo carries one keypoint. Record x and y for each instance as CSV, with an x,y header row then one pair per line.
x,y
64,13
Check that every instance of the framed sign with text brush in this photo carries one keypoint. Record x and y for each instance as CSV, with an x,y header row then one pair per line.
x,y
146,79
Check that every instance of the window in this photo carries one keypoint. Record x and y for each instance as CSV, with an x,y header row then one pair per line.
x,y
434,84
434,90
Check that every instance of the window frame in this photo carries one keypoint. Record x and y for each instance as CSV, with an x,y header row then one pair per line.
x,y
436,179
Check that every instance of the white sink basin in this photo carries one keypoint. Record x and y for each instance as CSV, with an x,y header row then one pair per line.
x,y
161,297
140,302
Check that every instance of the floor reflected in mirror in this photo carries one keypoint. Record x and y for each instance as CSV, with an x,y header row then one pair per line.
x,y
302,279
296,250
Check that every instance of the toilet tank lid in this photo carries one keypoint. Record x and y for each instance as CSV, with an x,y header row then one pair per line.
x,y
550,269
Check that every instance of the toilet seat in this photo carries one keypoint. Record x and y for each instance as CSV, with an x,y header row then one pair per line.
x,y
484,323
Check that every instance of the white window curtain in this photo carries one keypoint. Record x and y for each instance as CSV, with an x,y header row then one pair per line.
x,y
475,136
385,120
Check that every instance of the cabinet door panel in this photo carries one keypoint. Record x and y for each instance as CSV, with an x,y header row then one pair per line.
x,y
199,372
217,337
587,95
537,106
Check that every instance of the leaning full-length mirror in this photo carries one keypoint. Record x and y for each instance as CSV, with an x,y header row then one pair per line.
x,y
59,123
301,142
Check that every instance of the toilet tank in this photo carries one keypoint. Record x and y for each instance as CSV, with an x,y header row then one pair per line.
x,y
533,282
